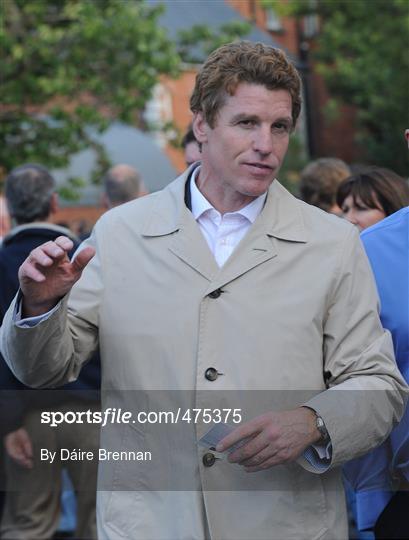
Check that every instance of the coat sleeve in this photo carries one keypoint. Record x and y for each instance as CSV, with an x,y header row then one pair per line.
x,y
366,393
53,352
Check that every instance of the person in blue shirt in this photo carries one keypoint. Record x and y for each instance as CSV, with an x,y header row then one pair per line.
x,y
381,478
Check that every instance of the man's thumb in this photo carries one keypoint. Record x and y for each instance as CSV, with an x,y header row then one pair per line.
x,y
82,258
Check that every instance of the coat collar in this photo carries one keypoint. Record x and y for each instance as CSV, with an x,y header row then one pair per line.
x,y
281,216
38,227
169,211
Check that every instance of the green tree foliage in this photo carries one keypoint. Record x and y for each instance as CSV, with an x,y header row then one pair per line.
x,y
295,160
362,52
68,67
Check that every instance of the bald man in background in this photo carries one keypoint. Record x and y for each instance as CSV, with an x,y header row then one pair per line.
x,y
122,183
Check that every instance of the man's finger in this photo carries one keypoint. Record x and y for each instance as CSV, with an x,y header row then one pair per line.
x,y
253,427
24,462
260,457
54,251
14,452
29,271
64,242
271,462
256,449
82,259
39,257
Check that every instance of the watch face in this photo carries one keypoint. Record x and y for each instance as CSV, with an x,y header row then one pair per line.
x,y
321,428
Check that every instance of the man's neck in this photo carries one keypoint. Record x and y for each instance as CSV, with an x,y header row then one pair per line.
x,y
222,200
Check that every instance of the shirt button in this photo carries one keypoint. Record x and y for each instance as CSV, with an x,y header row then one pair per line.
x,y
209,459
211,374
215,294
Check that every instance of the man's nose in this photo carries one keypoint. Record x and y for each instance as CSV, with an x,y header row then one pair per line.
x,y
263,141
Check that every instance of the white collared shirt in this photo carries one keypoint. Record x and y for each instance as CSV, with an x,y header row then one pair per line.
x,y
222,232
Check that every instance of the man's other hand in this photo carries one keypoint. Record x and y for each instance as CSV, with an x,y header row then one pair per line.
x,y
18,446
275,438
47,275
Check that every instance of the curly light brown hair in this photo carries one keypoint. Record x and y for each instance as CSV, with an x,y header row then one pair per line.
x,y
239,62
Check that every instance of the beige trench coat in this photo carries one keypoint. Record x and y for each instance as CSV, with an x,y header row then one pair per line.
x,y
297,317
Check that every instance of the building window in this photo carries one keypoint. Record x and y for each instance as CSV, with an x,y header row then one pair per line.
x,y
159,113
273,22
311,26
311,22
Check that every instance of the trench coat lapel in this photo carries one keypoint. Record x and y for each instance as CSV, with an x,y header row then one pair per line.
x,y
281,218
256,248
191,247
171,217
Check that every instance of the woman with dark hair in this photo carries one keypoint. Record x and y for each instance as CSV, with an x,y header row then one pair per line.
x,y
371,195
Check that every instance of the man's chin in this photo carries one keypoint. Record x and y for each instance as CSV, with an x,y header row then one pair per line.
x,y
256,188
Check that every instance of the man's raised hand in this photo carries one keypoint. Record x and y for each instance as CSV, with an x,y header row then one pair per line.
x,y
47,275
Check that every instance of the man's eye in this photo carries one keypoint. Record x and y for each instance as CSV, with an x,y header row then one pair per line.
x,y
246,123
280,127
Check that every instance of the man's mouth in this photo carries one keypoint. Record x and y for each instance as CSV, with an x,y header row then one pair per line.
x,y
262,166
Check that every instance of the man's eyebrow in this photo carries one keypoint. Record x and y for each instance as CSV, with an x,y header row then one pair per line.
x,y
284,120
244,116
254,118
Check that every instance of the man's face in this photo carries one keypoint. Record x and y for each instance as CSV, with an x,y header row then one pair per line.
x,y
243,152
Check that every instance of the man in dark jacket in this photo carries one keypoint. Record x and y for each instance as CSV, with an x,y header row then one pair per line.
x,y
32,506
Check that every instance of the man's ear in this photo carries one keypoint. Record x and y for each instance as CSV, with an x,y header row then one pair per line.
x,y
142,189
105,201
54,206
200,128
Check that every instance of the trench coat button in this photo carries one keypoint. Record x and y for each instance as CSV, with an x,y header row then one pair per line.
x,y
215,294
211,374
209,459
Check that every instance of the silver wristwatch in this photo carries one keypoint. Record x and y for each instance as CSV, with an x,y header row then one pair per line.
x,y
319,422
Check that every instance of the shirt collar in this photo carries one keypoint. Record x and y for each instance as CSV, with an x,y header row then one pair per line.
x,y
200,204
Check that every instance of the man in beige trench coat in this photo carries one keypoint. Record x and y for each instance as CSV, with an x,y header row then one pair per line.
x,y
227,290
